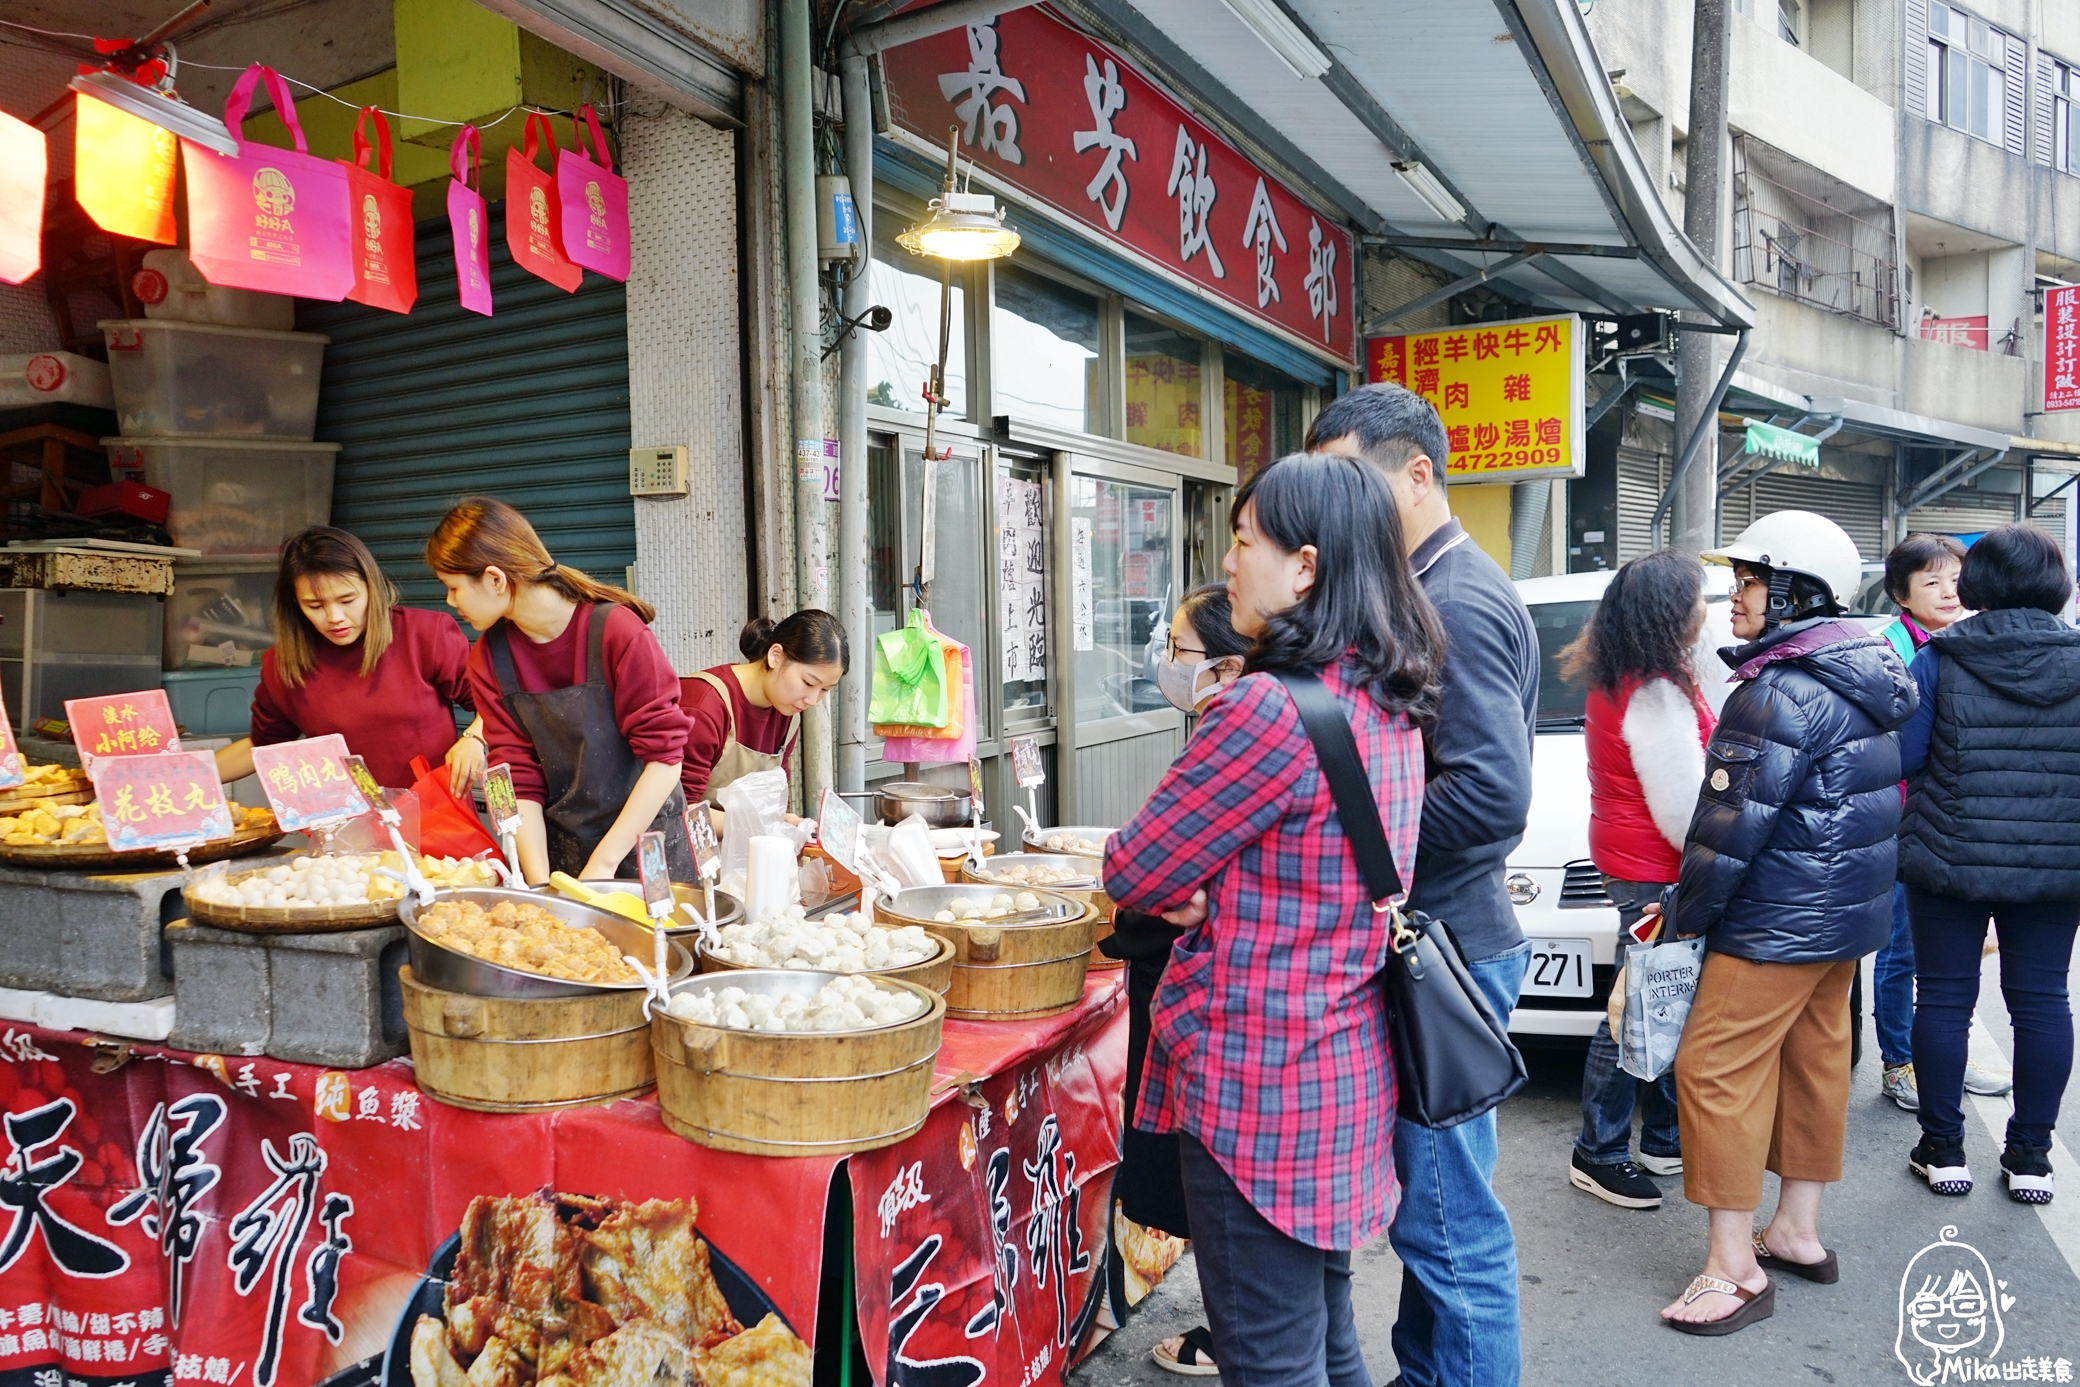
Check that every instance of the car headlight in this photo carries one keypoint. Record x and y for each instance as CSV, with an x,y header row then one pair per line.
x,y
1522,889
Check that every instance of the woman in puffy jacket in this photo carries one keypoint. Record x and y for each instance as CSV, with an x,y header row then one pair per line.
x,y
1645,723
1993,829
1787,875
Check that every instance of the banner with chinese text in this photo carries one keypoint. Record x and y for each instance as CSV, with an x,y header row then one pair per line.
x,y
2062,348
1510,393
1054,113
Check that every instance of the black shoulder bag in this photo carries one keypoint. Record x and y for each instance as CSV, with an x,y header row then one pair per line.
x,y
1452,1059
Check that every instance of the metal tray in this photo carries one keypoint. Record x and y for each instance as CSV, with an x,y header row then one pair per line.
x,y
450,971
1092,870
917,904
1092,832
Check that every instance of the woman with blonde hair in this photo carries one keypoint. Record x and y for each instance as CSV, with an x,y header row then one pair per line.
x,y
576,695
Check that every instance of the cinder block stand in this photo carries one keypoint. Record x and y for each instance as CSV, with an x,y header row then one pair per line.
x,y
83,935
329,999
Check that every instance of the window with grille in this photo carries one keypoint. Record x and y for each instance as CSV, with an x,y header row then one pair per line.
x,y
1967,73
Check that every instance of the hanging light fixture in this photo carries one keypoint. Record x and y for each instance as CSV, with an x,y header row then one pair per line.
x,y
960,225
161,108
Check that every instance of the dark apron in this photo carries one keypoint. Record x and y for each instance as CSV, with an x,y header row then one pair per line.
x,y
586,762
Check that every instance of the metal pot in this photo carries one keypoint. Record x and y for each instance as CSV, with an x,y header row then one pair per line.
x,y
450,971
941,806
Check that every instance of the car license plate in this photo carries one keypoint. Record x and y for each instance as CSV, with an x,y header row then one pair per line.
x,y
1559,968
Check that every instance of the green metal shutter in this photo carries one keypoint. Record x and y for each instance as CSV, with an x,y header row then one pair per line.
x,y
529,405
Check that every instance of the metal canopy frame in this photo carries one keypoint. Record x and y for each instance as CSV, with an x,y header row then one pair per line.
x,y
1954,473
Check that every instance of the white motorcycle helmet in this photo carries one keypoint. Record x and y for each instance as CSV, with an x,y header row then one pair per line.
x,y
1798,542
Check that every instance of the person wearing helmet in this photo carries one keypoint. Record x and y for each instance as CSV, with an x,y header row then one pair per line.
x,y
1787,874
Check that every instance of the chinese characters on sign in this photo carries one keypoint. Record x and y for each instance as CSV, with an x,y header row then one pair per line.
x,y
307,783
1509,393
169,801
1956,332
2062,349
1054,113
134,724
1082,633
1022,577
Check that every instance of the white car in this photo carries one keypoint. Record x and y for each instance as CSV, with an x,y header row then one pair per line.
x,y
1558,893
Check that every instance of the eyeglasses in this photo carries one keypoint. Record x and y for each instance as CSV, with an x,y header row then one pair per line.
x,y
1171,650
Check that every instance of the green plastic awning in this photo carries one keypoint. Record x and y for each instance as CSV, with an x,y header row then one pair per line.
x,y
1772,442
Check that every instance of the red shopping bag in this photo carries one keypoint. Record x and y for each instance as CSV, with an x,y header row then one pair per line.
x,y
467,222
23,162
122,171
595,203
448,825
534,226
269,219
385,275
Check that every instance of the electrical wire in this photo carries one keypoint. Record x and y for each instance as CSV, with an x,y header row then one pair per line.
x,y
394,115
47,33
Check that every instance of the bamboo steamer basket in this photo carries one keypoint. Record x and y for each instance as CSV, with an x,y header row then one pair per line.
x,y
934,974
780,1093
511,1054
1092,895
1005,972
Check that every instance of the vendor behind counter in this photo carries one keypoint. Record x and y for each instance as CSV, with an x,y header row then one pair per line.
x,y
746,717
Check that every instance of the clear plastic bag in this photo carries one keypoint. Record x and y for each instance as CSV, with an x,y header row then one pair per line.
x,y
751,805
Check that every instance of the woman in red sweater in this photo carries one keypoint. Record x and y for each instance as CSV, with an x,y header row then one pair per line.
x,y
743,717
1646,729
385,677
576,694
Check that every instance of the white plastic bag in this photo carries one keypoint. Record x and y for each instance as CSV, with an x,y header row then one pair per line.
x,y
1660,983
752,805
910,857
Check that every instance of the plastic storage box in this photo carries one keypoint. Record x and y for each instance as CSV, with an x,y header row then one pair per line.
x,y
220,614
232,495
195,378
50,378
172,289
213,702
57,644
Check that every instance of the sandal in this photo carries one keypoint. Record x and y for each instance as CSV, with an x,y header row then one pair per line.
x,y
1194,1358
1756,1305
1826,1271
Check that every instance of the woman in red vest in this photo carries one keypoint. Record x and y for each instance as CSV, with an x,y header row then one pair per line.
x,y
1646,729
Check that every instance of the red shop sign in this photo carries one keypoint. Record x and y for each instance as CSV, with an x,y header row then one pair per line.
x,y
306,782
2062,349
166,801
1061,117
131,724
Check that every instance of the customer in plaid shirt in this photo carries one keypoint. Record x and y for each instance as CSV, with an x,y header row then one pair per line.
x,y
1269,1048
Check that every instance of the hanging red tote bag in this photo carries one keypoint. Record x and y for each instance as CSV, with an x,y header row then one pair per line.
x,y
469,224
269,219
384,273
595,203
534,231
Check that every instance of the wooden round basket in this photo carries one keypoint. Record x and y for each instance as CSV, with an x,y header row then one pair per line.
x,y
933,974
508,1054
1093,896
87,856
817,1093
1012,972
310,919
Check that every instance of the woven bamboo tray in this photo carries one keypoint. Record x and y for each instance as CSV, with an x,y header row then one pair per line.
x,y
315,919
13,803
98,856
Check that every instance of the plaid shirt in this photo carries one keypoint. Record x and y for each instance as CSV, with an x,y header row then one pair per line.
x,y
1269,1039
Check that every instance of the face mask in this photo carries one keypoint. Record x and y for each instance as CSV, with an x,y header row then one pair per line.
x,y
1178,680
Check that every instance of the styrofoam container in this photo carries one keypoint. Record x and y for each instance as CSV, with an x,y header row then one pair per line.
x,y
233,495
173,290
220,613
52,378
195,378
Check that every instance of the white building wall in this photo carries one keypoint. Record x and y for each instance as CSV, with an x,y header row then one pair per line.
x,y
685,374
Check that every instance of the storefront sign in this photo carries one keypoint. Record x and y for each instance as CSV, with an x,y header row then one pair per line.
x,y
1969,332
2062,349
1510,393
306,782
169,801
132,724
1022,569
1059,116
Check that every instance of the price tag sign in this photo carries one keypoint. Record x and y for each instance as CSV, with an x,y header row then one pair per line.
x,y
365,782
132,724
1025,762
500,799
655,875
306,782
700,832
170,800
975,805
837,830
11,773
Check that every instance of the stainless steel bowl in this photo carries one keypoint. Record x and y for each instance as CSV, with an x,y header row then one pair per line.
x,y
1035,842
800,982
728,909
450,971
1090,872
918,904
940,806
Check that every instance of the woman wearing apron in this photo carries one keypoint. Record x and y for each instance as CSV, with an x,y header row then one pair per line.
x,y
743,717
576,696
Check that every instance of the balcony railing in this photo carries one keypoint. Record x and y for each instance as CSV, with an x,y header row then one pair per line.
x,y
1811,237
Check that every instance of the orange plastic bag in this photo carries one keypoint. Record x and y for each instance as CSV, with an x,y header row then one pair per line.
x,y
448,825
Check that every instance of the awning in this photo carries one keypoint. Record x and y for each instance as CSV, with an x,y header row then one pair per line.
x,y
1769,441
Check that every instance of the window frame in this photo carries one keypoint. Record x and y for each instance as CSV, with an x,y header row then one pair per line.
x,y
1953,63
2065,94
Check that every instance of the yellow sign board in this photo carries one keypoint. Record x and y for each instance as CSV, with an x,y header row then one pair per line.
x,y
1510,393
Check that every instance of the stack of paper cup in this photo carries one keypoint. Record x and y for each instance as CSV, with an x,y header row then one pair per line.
x,y
769,880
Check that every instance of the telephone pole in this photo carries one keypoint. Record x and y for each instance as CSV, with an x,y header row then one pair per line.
x,y
1695,515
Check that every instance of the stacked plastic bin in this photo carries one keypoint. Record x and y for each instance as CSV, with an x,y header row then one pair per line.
x,y
217,401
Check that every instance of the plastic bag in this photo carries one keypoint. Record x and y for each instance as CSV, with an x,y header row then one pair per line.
x,y
956,724
909,677
594,201
961,746
534,229
751,805
909,856
385,274
1660,983
469,225
448,826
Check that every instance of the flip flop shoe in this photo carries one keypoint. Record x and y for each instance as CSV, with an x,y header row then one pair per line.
x,y
1755,1305
1826,1271
1194,1358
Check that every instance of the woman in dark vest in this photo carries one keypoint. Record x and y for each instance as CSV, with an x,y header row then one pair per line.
x,y
1992,829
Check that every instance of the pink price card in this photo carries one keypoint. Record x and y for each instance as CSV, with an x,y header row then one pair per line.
x,y
131,724
11,773
307,783
166,800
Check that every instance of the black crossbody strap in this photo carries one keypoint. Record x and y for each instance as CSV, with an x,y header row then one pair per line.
x,y
1337,750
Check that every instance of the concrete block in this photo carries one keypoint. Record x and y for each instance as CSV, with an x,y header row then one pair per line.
x,y
326,999
83,935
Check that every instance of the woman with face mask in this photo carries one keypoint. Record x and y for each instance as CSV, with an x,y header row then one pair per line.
x,y
1204,655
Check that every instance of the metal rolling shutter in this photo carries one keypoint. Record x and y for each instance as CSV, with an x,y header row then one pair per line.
x,y
1964,512
1857,507
1642,477
530,406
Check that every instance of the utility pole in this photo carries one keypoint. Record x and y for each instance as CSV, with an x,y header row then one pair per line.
x,y
1696,510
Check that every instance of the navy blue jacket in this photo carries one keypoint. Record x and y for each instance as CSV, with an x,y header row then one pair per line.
x,y
1792,851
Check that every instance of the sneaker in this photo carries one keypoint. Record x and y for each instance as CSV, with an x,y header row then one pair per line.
x,y
1623,1184
1900,1087
1661,1165
2028,1171
1985,1083
1942,1165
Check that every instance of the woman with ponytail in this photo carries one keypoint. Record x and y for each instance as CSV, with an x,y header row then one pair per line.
x,y
744,716
576,696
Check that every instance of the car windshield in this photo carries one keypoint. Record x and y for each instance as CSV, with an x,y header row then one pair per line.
x,y
1561,705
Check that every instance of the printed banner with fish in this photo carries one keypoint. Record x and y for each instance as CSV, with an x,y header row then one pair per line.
x,y
246,1222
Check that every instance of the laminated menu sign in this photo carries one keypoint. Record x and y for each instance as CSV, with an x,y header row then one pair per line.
x,y
131,724
172,800
500,800
655,876
365,782
1025,762
306,782
700,832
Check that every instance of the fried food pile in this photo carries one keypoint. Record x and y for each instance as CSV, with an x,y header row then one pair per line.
x,y
565,1290
514,934
79,825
